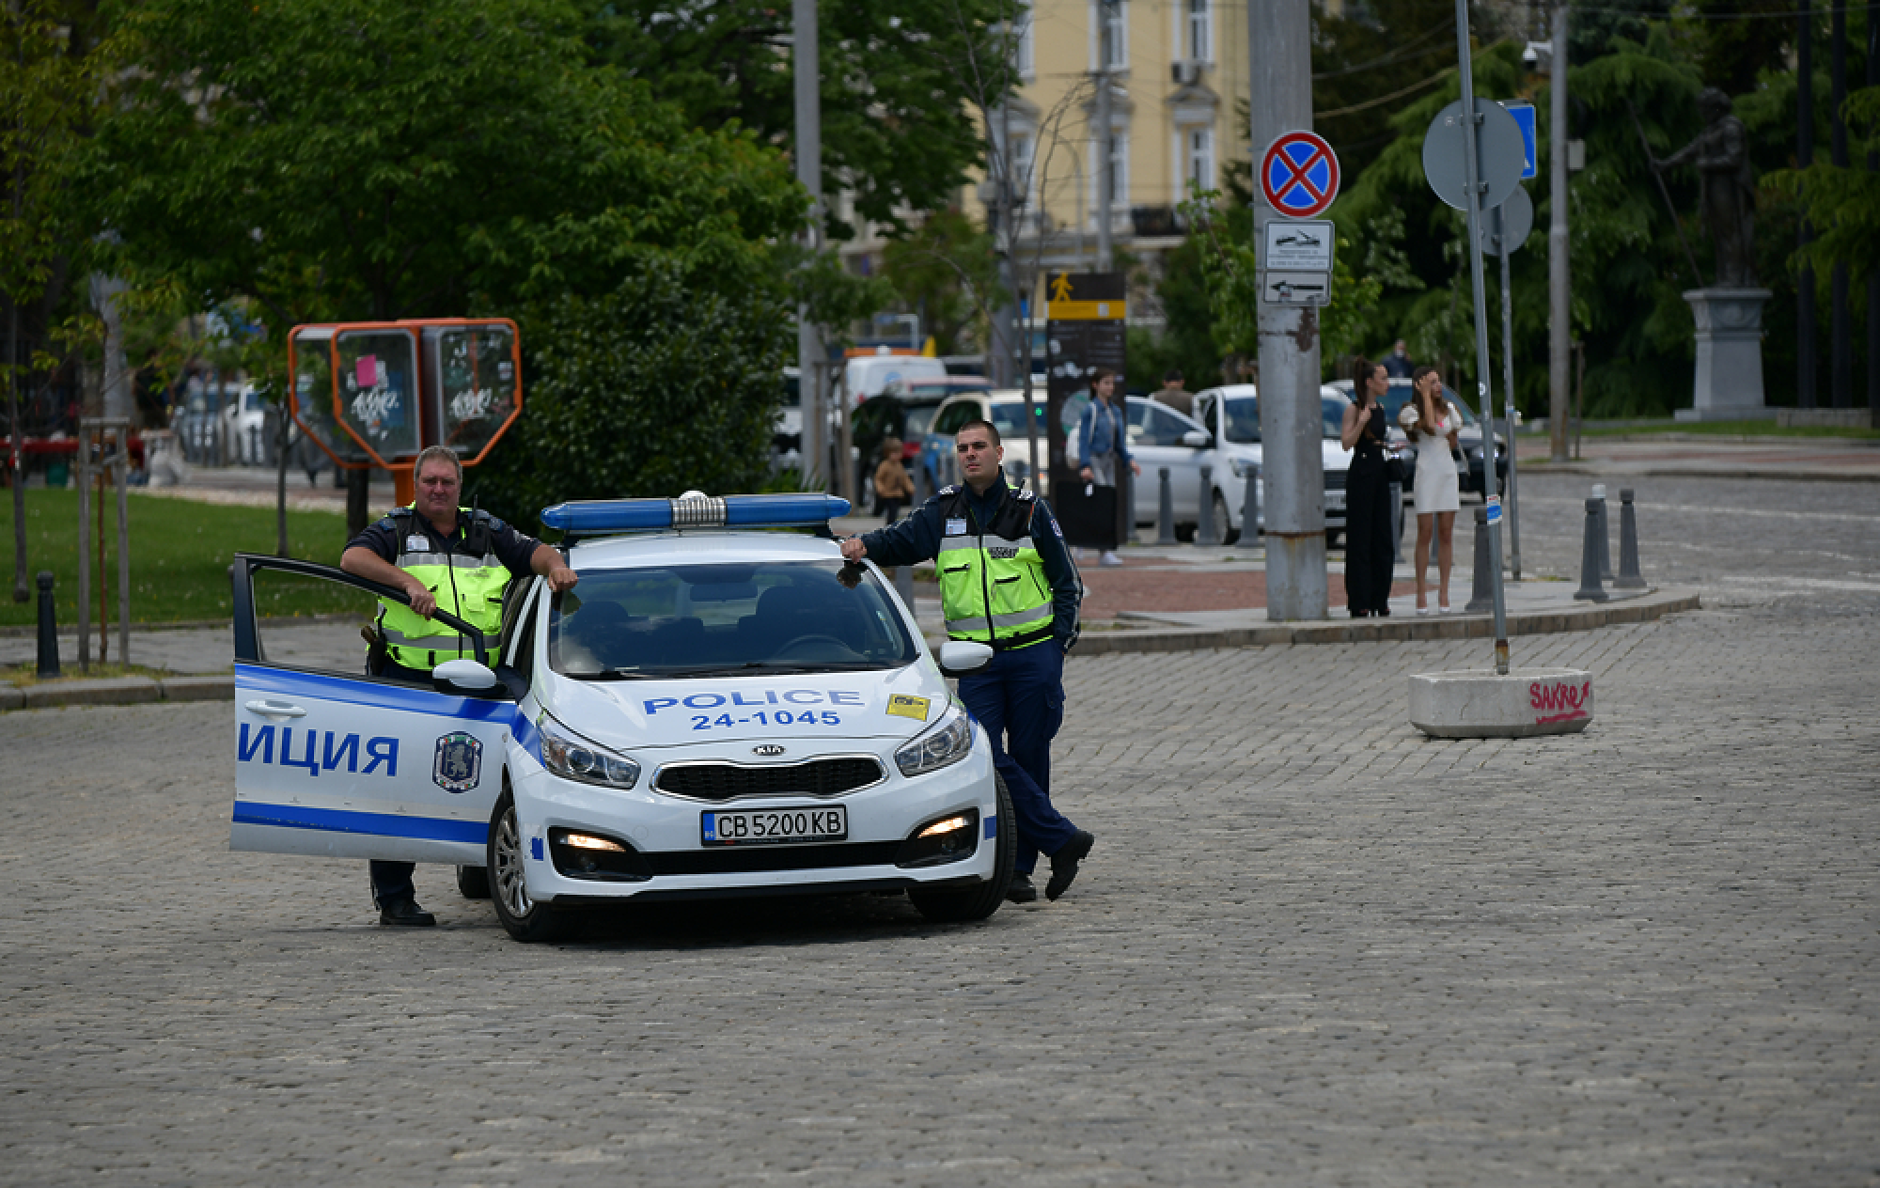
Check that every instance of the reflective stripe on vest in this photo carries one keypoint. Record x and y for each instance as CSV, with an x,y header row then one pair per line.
x,y
992,586
469,587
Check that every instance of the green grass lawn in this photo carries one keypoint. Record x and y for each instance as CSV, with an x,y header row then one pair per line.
x,y
180,554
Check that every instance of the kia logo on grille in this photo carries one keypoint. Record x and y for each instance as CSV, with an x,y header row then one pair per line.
x,y
767,749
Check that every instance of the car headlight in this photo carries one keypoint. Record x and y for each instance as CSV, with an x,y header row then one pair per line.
x,y
950,741
1242,468
569,755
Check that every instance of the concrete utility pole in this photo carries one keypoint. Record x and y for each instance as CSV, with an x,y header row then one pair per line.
x,y
1105,169
1279,60
810,361
1559,280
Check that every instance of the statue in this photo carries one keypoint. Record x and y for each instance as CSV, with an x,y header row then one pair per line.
x,y
1721,154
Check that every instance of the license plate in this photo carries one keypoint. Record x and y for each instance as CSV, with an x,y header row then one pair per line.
x,y
1334,501
774,827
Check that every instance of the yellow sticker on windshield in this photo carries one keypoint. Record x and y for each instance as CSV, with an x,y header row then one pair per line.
x,y
906,706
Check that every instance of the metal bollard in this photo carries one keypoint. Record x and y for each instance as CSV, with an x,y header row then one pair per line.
x,y
48,628
1250,508
1204,532
1605,534
1629,576
1590,590
1396,523
904,585
1482,580
1165,509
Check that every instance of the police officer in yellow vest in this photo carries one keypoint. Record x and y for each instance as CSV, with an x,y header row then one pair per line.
x,y
1006,579
450,558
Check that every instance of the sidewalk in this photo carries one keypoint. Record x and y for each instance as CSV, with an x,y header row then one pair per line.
x,y
1694,455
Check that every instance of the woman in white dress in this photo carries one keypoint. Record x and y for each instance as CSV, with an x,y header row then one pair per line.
x,y
1436,492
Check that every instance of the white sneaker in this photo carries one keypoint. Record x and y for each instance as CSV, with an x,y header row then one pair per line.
x,y
1109,559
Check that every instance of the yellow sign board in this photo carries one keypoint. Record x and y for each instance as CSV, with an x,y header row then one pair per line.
x,y
1085,297
904,705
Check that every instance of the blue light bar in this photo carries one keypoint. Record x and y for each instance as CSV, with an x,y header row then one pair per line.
x,y
603,517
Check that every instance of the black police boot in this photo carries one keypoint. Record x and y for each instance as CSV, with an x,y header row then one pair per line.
x,y
406,912
1064,863
1020,889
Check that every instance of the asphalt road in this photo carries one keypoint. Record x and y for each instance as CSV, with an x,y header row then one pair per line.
x,y
1312,947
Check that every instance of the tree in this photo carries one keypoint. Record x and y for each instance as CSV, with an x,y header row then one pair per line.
x,y
896,130
373,159
943,268
46,86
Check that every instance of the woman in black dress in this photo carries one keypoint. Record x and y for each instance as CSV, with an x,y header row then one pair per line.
x,y
1367,495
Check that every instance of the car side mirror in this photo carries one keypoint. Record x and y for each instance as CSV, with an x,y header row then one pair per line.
x,y
958,657
1197,439
464,677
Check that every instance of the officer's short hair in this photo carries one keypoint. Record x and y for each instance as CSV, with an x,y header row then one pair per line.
x,y
992,431
433,452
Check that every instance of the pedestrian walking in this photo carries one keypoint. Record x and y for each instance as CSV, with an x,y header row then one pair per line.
x,y
1438,495
893,485
447,558
1174,395
1368,544
1006,580
1103,444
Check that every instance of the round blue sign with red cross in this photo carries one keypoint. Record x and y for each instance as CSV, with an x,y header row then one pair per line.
x,y
1299,174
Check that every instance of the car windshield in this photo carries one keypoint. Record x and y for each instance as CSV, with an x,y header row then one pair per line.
x,y
726,618
1008,417
1243,418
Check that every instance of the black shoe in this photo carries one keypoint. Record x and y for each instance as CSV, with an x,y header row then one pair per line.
x,y
1020,889
1064,863
408,913
1383,611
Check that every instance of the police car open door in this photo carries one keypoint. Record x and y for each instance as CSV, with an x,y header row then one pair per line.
x,y
330,761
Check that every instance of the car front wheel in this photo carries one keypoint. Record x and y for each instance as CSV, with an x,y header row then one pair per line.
x,y
1223,523
521,917
976,903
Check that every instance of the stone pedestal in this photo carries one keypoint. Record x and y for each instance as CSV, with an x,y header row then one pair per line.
x,y
1482,703
1729,355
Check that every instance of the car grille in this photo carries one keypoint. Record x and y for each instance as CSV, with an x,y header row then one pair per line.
x,y
752,859
730,781
1334,480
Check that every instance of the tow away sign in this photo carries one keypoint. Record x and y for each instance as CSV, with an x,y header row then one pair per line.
x,y
1301,245
1296,288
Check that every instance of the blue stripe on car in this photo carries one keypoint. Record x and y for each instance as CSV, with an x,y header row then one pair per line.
x,y
375,694
294,816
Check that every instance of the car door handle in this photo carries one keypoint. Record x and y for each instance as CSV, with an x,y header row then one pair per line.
x,y
271,709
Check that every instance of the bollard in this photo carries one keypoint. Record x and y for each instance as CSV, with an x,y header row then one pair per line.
x,y
904,585
1629,576
1396,523
1482,580
1204,532
48,628
1250,508
1605,535
1165,509
1590,590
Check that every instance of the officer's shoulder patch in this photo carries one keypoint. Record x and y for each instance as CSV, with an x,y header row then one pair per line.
x,y
1023,495
399,513
952,490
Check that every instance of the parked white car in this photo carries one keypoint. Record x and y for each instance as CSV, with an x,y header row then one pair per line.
x,y
1231,414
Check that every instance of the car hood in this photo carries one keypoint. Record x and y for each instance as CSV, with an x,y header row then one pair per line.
x,y
823,708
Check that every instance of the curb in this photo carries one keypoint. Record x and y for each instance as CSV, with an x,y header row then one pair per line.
x,y
117,691
1396,629
1621,470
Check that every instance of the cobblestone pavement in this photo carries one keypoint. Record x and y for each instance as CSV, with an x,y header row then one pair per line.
x,y
1312,947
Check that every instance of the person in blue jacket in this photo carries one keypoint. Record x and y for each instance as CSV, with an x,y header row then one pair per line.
x,y
1103,443
1006,580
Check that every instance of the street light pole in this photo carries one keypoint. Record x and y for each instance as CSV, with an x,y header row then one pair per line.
x,y
810,363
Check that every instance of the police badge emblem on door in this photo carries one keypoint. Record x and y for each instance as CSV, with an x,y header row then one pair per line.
x,y
459,763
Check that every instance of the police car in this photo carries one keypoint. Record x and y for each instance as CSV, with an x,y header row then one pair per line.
x,y
717,708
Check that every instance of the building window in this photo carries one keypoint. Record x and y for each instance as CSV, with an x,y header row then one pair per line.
x,y
1119,173
1022,47
1110,21
1200,151
1021,170
1199,36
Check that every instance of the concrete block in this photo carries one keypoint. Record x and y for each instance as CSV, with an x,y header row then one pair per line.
x,y
115,691
1483,704
198,688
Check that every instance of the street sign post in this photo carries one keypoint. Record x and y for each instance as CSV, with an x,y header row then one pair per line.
x,y
1445,149
1296,288
1505,229
1299,174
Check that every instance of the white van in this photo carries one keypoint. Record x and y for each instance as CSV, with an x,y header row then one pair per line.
x,y
868,375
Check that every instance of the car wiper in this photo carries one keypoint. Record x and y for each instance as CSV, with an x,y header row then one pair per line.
x,y
609,674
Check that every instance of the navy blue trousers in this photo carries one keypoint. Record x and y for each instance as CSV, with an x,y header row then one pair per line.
x,y
1018,700
391,882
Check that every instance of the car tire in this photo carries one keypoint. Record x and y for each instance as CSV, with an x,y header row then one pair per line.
x,y
976,903
473,882
1224,530
521,917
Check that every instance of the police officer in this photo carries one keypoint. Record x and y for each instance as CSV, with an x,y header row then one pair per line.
x,y
1005,580
445,557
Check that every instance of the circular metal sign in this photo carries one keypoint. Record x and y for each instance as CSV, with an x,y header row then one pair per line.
x,y
1299,174
1509,223
1500,151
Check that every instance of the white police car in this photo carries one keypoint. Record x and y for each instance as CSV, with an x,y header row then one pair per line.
x,y
711,711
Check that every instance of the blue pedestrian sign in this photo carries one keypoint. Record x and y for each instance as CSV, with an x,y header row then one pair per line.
x,y
1523,114
1299,174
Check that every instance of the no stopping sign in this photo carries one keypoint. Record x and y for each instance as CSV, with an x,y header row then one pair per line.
x,y
1299,174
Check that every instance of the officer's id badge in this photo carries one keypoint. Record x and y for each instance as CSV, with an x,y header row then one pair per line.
x,y
459,763
905,705
956,527
416,544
